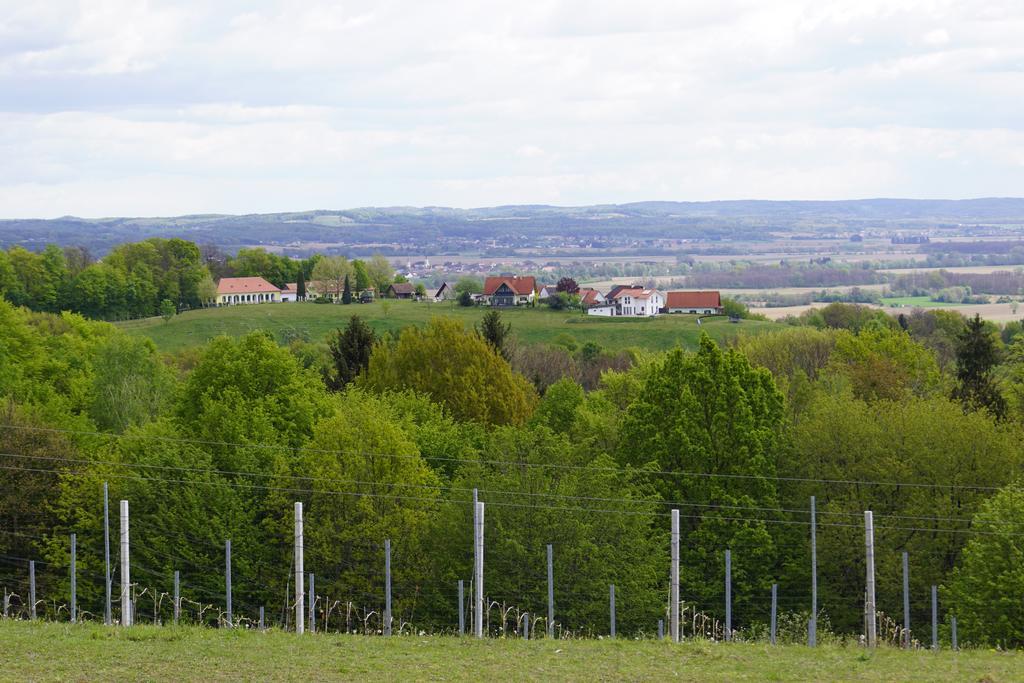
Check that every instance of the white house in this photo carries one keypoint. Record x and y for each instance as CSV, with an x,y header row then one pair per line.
x,y
290,291
246,290
638,303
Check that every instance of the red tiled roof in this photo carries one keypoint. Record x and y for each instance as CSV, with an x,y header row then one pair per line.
x,y
588,296
244,285
290,287
520,285
693,300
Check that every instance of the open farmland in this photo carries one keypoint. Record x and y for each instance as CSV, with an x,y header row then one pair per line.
x,y
999,313
58,652
530,325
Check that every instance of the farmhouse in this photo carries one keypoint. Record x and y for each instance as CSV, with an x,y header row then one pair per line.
x,y
246,290
510,291
401,290
702,303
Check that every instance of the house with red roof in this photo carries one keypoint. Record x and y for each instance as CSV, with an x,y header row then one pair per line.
x,y
700,303
246,290
590,297
510,290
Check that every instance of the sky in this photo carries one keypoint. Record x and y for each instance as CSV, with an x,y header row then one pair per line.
x,y
123,108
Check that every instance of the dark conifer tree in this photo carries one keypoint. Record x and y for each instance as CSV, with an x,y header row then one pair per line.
x,y
976,357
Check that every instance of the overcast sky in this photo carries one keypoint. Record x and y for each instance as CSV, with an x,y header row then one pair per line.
x,y
111,107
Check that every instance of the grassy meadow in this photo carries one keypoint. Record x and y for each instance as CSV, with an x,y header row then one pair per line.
x,y
530,325
59,651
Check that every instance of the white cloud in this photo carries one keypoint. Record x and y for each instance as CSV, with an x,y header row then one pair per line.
x,y
117,107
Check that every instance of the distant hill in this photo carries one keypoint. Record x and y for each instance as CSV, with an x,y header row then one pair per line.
x,y
419,229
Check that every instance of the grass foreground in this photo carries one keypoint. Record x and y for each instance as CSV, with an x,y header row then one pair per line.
x,y
531,325
53,651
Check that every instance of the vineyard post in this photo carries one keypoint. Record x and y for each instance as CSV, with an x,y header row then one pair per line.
x,y
262,623
812,625
775,607
106,555
551,592
387,586
177,596
479,565
126,580
906,599
32,588
674,580
728,594
871,617
611,600
300,573
935,617
952,633
462,610
312,603
74,580
227,579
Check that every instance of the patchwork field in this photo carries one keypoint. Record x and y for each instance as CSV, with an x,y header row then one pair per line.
x,y
530,325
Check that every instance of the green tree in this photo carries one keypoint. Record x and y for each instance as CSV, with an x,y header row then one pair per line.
x,y
712,413
495,332
167,310
465,299
130,383
362,276
380,272
941,454
329,273
590,549
421,290
300,287
456,369
346,293
363,450
469,285
350,352
984,587
881,362
977,355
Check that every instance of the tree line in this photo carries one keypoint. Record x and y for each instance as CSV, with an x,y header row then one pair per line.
x,y
142,279
386,437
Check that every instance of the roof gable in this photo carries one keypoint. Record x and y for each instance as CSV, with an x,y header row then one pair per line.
x,y
522,286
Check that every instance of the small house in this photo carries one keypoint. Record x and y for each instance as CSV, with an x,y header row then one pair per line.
x,y
445,292
401,290
510,290
700,303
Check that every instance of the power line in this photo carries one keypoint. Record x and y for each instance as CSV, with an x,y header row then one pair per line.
x,y
358,494
631,501
641,471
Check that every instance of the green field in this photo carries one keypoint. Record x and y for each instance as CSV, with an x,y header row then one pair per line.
x,y
530,325
49,651
914,302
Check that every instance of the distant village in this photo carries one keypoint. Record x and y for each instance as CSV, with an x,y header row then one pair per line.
x,y
498,291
